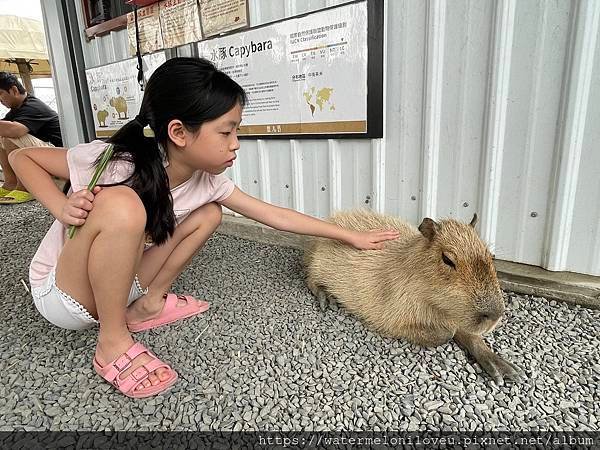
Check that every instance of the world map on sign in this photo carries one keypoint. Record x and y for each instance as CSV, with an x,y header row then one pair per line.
x,y
319,98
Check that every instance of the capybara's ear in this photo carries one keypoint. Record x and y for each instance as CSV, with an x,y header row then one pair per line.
x,y
473,220
429,228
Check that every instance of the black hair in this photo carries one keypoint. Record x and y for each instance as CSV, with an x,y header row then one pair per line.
x,y
8,80
192,90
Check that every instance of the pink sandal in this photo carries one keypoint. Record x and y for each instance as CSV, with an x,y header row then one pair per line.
x,y
113,370
171,312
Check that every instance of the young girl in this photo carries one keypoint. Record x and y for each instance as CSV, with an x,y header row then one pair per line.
x,y
159,203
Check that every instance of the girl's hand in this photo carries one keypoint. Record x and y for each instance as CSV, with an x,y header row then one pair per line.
x,y
372,240
77,206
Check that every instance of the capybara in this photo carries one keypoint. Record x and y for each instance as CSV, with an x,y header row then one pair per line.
x,y
102,115
434,283
120,104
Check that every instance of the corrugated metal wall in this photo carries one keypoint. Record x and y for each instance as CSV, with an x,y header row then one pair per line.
x,y
490,107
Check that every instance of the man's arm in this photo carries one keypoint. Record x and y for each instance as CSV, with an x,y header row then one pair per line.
x,y
12,129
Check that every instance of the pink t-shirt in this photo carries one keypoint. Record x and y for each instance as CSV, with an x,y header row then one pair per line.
x,y
200,189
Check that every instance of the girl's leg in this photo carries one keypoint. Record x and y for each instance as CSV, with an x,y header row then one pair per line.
x,y
161,265
97,268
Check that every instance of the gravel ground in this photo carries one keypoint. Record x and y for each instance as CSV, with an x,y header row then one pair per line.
x,y
265,357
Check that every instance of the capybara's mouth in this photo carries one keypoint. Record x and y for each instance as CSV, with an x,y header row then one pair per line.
x,y
491,326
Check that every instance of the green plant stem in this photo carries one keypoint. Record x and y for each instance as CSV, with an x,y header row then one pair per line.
x,y
97,174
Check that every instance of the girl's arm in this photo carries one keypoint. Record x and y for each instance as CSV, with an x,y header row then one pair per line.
x,y
35,166
286,219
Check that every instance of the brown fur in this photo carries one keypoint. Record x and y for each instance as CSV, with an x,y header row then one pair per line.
x,y
407,290
120,104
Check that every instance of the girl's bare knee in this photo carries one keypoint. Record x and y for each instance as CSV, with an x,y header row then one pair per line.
x,y
121,207
214,213
12,155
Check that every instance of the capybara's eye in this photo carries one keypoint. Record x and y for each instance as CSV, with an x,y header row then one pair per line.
x,y
448,261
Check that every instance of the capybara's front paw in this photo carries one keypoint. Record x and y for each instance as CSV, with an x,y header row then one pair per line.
x,y
499,369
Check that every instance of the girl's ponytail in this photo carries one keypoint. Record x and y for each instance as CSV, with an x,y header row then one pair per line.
x,y
149,179
191,90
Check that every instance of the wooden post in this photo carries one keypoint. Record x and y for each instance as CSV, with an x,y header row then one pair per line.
x,y
25,75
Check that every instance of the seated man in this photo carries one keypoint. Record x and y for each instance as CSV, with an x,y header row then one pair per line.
x,y
29,123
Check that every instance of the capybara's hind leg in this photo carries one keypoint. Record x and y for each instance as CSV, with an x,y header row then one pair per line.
x,y
318,292
312,286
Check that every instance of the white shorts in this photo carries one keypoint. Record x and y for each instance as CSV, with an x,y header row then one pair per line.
x,y
62,310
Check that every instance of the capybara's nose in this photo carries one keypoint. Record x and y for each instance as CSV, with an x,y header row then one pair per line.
x,y
501,308
488,317
492,314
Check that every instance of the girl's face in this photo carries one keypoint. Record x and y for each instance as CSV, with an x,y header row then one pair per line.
x,y
213,147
